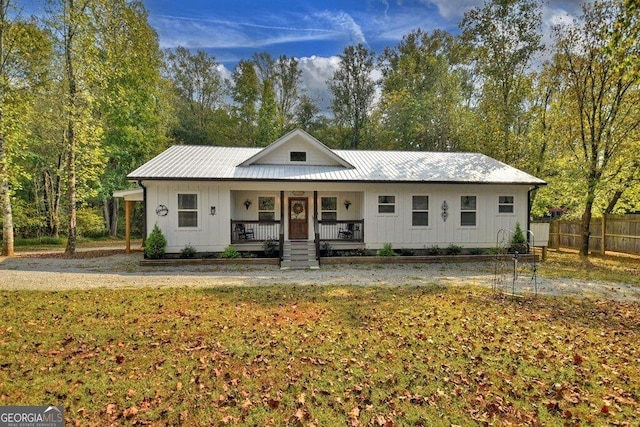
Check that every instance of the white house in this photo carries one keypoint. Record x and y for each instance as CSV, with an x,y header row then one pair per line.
x,y
299,191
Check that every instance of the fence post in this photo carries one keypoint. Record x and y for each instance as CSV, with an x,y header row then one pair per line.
x,y
603,235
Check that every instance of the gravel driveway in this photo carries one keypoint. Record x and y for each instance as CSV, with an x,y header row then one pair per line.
x,y
124,271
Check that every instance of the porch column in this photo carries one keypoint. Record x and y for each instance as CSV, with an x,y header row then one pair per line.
x,y
127,225
316,228
281,222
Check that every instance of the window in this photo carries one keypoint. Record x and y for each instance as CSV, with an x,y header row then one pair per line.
x,y
468,211
329,208
420,211
266,208
386,204
187,210
505,204
298,156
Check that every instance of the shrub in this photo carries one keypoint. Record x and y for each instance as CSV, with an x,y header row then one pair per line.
x,y
270,248
518,241
434,250
155,245
454,249
326,249
386,250
230,252
90,223
188,252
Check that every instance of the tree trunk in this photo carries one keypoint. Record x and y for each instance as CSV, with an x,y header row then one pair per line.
x,y
71,142
7,215
106,213
114,217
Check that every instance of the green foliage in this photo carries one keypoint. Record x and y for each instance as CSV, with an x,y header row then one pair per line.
x,y
155,245
386,250
353,91
326,249
434,250
188,252
230,253
453,249
90,222
270,247
518,240
518,235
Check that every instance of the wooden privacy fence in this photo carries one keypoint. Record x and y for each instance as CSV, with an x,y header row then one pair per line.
x,y
616,233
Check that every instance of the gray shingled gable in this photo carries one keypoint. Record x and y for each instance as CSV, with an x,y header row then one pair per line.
x,y
189,162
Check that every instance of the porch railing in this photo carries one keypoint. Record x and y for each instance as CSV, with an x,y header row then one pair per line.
x,y
254,231
351,230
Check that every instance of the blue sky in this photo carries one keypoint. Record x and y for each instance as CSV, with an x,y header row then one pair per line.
x,y
315,32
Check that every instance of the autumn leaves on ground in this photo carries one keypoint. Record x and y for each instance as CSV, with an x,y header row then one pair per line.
x,y
381,356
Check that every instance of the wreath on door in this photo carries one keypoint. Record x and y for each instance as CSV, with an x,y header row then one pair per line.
x,y
298,208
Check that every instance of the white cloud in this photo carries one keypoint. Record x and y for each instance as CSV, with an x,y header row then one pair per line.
x,y
344,23
316,71
453,9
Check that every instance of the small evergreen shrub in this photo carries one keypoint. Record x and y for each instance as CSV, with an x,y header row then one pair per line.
x,y
518,241
188,252
326,249
155,245
230,253
386,250
270,248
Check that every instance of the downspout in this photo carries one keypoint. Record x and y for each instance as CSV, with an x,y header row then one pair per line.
x,y
531,190
144,211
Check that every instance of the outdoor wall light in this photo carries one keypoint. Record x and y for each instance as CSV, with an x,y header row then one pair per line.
x,y
212,210
347,204
247,203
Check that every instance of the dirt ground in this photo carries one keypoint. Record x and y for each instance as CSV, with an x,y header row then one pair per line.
x,y
114,269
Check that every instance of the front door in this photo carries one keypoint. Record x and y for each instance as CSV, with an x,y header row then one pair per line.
x,y
298,218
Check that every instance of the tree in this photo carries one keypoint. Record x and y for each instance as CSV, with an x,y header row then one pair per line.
x,y
421,93
600,98
74,23
23,57
353,90
503,37
133,121
267,130
200,92
287,81
245,93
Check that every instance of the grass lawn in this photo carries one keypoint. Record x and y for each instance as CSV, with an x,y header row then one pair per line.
x,y
275,355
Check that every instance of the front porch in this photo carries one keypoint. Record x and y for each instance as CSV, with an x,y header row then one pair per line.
x,y
319,218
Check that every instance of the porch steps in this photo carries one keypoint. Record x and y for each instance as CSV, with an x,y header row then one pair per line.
x,y
299,255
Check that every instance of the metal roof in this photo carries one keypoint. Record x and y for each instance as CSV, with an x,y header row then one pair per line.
x,y
191,162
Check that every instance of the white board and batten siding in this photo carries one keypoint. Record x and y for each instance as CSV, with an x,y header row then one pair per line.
x,y
213,231
206,237
398,230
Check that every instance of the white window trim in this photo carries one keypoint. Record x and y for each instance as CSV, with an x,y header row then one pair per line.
x,y
467,227
395,205
329,210
428,211
275,206
513,205
197,210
